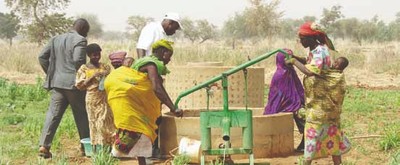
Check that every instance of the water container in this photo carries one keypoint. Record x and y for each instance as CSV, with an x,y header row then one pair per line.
x,y
191,148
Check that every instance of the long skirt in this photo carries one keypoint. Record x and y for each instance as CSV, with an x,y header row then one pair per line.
x,y
323,140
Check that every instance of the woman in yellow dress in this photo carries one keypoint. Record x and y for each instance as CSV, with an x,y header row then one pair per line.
x,y
135,96
89,77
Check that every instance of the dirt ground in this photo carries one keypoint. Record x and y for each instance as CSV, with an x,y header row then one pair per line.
x,y
71,150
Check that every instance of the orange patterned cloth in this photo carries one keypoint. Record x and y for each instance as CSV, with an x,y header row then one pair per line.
x,y
310,29
313,29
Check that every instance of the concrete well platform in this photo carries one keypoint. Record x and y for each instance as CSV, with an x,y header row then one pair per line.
x,y
272,134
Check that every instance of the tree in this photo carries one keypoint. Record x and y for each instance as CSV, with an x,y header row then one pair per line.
x,y
289,27
234,29
198,29
394,28
9,26
330,16
397,20
190,31
347,28
309,18
96,28
262,19
46,20
136,24
206,30
258,20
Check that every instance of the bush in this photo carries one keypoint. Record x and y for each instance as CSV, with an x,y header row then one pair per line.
x,y
391,138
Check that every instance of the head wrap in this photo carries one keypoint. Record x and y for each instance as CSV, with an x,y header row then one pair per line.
x,y
163,43
117,56
91,48
311,29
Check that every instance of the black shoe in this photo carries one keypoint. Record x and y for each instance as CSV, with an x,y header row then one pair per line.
x,y
45,153
300,148
156,153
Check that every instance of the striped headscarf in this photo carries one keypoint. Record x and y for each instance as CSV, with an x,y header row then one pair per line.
x,y
314,30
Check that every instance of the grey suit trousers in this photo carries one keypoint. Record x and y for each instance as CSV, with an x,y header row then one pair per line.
x,y
60,99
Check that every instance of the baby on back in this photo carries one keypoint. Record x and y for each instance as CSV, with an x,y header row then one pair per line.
x,y
340,64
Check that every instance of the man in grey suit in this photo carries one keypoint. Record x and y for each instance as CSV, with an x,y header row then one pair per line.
x,y
60,60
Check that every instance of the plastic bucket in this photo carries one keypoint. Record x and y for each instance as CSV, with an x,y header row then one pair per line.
x,y
191,148
87,146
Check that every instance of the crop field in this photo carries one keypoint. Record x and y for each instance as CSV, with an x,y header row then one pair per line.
x,y
370,118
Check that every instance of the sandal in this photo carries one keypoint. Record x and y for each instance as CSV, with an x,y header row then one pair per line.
x,y
45,153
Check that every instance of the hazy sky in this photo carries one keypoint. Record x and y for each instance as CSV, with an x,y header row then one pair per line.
x,y
114,13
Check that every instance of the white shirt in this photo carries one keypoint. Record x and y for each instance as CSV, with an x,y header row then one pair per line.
x,y
151,33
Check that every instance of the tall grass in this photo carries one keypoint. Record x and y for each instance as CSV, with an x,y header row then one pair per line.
x,y
373,57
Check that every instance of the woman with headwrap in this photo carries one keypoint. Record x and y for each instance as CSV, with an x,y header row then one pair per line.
x,y
117,58
324,91
286,93
135,96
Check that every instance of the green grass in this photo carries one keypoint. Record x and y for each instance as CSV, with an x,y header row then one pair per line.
x,y
395,159
23,109
22,112
391,139
181,159
103,157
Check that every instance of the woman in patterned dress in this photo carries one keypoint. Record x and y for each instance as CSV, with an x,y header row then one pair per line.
x,y
89,77
324,90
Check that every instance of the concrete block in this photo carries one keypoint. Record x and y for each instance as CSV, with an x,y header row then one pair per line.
x,y
273,134
182,78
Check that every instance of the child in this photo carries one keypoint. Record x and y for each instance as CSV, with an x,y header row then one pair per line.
x,y
340,64
101,122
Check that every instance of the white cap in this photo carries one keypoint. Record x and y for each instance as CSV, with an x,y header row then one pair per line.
x,y
174,17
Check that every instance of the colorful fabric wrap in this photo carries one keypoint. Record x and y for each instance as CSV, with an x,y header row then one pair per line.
x,y
286,94
117,56
324,97
133,101
163,43
324,101
313,29
161,68
125,140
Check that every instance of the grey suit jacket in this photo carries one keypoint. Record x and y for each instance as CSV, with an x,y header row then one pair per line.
x,y
61,58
